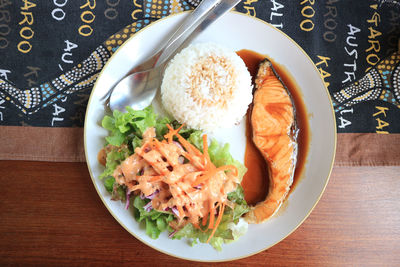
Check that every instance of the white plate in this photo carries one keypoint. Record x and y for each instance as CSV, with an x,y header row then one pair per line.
x,y
237,31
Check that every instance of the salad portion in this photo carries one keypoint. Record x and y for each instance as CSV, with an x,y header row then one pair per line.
x,y
173,179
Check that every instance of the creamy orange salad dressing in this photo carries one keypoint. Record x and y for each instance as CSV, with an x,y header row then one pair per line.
x,y
170,172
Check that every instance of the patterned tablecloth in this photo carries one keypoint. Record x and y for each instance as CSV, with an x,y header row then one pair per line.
x,y
52,52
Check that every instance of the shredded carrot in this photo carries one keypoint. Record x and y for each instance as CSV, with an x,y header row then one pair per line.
x,y
205,146
192,159
181,212
188,146
141,151
212,216
155,178
158,146
170,135
213,172
221,212
231,168
202,169
208,164
204,221
202,178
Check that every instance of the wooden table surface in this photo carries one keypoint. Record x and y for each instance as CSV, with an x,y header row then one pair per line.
x,y
50,214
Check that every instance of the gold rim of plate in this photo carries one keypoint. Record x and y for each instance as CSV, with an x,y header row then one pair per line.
x,y
241,257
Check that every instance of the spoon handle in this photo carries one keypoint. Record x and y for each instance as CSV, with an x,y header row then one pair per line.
x,y
188,26
150,71
197,21
220,9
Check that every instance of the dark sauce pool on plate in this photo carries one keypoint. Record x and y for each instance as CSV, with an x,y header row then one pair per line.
x,y
256,181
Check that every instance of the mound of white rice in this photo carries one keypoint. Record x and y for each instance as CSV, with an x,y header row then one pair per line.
x,y
206,86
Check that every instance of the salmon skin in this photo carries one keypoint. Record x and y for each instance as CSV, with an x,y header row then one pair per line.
x,y
274,133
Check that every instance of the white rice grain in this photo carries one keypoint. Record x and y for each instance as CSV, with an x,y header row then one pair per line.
x,y
206,86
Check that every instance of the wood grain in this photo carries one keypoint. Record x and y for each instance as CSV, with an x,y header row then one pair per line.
x,y
50,214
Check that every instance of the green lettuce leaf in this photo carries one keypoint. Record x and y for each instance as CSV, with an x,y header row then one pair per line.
x,y
124,126
219,154
155,221
125,134
115,156
226,232
228,229
196,139
109,184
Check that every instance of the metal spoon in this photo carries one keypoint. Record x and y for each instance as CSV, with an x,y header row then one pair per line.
x,y
139,88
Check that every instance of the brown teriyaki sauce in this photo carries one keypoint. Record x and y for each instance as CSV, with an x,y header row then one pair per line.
x,y
256,181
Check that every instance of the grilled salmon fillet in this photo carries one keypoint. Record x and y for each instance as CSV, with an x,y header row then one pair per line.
x,y
274,133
